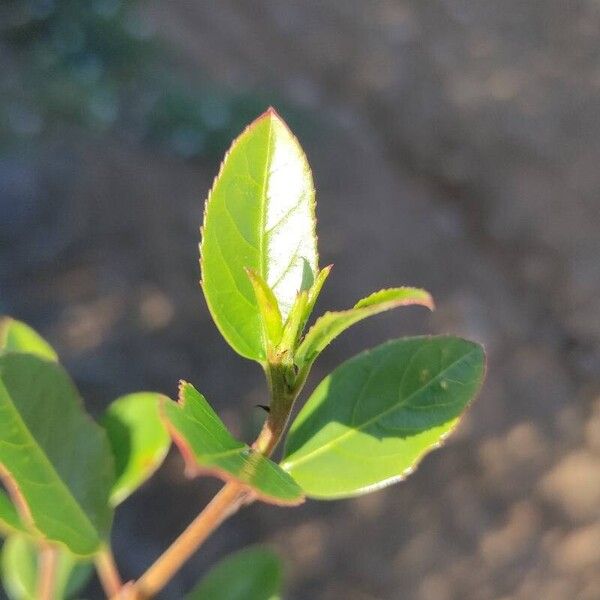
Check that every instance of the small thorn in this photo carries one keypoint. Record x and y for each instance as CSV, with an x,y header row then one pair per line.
x,y
264,407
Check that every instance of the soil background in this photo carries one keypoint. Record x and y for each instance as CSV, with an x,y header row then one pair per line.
x,y
455,146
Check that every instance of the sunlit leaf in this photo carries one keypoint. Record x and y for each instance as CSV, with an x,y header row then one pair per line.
x,y
331,324
254,573
260,216
208,448
138,438
54,460
315,290
268,308
19,562
370,422
16,336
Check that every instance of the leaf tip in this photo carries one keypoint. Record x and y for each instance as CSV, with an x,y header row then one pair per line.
x,y
428,301
182,386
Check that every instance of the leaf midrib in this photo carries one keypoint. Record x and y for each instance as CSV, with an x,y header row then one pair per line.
x,y
287,465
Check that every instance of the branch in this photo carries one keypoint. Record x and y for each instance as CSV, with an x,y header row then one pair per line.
x,y
229,499
108,573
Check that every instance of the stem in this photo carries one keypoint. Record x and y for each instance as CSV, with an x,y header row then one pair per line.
x,y
230,498
282,400
225,503
48,560
108,573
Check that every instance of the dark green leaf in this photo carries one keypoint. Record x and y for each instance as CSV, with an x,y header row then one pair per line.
x,y
54,460
254,573
331,324
209,448
370,422
20,570
138,438
16,336
260,216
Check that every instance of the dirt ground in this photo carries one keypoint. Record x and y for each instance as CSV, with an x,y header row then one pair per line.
x,y
455,146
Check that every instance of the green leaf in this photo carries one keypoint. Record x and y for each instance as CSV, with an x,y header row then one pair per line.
x,y
293,325
331,324
260,216
255,573
370,422
208,448
10,521
139,440
315,290
269,310
16,336
20,570
54,460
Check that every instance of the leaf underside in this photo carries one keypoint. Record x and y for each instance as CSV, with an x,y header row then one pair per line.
x,y
259,215
53,454
209,448
138,438
253,573
370,422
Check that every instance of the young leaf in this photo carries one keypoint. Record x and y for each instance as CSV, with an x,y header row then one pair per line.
x,y
260,216
208,448
331,324
294,324
138,438
16,336
254,573
10,521
370,422
54,460
315,291
19,564
268,308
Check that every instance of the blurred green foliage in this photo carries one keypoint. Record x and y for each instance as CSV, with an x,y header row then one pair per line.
x,y
96,64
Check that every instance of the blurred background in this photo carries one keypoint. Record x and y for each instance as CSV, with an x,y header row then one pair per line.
x,y
455,146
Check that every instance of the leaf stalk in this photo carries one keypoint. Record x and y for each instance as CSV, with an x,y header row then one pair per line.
x,y
48,561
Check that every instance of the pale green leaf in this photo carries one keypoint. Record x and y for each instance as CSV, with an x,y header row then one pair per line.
x,y
315,290
269,310
255,573
53,456
16,336
19,565
20,558
294,323
370,422
331,324
209,448
138,438
260,216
